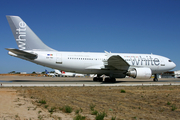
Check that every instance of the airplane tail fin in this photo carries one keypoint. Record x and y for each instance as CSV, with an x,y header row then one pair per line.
x,y
25,38
46,72
57,71
62,72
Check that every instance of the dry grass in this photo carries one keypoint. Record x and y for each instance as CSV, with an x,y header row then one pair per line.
x,y
143,102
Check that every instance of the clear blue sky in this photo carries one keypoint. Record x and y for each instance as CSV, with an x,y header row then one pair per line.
x,y
122,26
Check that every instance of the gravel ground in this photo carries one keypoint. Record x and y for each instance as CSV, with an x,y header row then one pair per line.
x,y
140,102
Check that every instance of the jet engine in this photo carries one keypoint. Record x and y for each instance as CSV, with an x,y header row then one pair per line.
x,y
143,73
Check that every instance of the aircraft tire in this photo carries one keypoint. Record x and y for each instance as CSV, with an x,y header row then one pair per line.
x,y
95,79
100,79
110,80
113,80
155,80
107,79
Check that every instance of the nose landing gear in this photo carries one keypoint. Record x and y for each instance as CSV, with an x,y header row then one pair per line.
x,y
155,78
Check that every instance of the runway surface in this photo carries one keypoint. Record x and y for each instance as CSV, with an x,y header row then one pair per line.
x,y
18,81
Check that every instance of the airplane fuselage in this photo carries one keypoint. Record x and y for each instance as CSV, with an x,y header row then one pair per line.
x,y
93,63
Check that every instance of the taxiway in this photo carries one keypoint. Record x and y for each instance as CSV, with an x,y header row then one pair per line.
x,y
20,81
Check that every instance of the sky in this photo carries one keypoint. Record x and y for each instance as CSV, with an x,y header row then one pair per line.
x,y
120,26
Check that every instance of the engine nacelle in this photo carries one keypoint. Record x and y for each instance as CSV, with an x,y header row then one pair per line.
x,y
144,73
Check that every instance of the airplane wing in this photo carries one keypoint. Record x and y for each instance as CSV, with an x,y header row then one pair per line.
x,y
116,62
18,52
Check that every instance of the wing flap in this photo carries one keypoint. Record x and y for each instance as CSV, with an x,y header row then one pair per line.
x,y
18,52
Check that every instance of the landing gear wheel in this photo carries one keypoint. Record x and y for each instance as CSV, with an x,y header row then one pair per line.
x,y
95,79
107,79
113,80
110,80
155,78
100,79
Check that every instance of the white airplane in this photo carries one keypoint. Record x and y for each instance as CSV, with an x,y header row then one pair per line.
x,y
79,75
50,74
114,65
69,74
56,73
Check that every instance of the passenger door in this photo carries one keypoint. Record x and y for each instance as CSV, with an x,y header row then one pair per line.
x,y
58,58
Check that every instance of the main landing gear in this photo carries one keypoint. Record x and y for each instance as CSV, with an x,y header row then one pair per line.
x,y
107,79
110,79
99,79
155,78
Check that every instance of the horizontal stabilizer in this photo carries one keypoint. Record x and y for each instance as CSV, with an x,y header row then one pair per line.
x,y
28,55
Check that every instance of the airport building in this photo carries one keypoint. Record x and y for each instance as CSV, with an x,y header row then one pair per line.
x,y
177,74
170,74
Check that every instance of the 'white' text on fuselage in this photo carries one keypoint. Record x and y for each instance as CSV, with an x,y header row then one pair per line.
x,y
139,60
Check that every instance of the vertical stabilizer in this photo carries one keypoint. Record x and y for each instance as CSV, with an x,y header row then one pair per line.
x,y
25,38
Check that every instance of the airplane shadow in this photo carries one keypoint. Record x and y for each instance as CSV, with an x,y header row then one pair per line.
x,y
86,81
149,81
125,82
49,81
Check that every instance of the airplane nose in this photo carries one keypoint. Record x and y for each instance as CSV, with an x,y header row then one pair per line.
x,y
174,65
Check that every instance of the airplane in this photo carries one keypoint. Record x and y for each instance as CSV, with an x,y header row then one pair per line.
x,y
56,73
50,74
79,75
114,65
69,74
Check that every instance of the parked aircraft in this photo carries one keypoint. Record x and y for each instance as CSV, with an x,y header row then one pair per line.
x,y
79,75
114,65
56,73
68,74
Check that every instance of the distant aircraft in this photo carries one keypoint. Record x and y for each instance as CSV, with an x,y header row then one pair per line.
x,y
63,74
79,75
68,74
57,72
114,65
51,74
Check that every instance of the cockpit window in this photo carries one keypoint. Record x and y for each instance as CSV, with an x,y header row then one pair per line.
x,y
169,60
